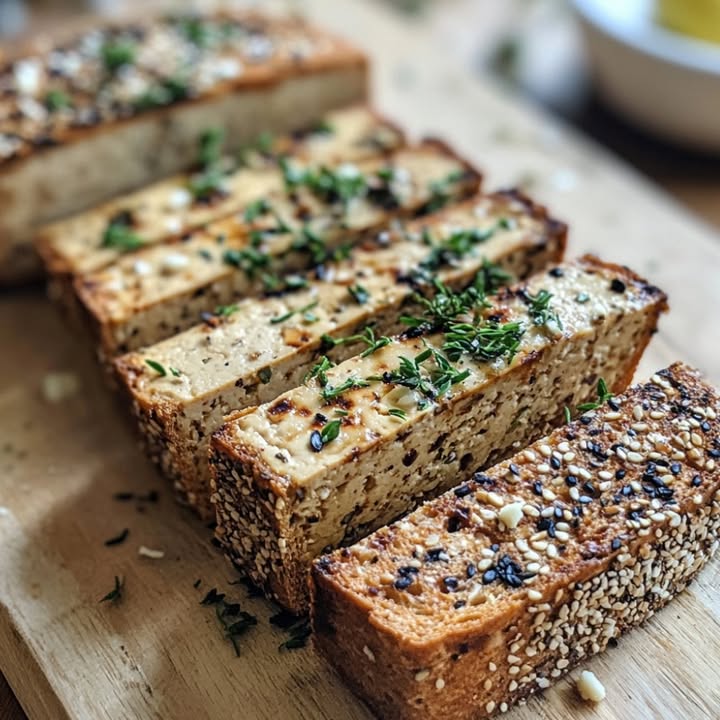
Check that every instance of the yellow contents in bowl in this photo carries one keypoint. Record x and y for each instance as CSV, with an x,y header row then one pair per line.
x,y
699,18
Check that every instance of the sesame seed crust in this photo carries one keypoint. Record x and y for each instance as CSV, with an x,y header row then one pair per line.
x,y
621,549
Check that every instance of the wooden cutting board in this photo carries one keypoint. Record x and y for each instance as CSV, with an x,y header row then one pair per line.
x,y
159,653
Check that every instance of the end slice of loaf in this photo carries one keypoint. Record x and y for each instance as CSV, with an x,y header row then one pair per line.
x,y
243,357
495,590
156,292
121,105
167,209
416,417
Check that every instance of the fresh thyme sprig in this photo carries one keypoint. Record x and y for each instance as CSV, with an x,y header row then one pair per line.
x,y
319,370
235,622
330,392
160,368
441,310
359,294
367,336
209,182
116,594
340,184
308,241
226,310
484,341
308,316
329,432
603,394
539,308
441,190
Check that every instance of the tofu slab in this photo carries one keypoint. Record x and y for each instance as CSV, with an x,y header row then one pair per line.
x,y
158,291
295,477
242,356
495,590
118,107
167,209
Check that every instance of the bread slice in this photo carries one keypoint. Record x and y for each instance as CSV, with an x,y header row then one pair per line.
x,y
495,590
118,107
158,291
322,466
239,357
168,209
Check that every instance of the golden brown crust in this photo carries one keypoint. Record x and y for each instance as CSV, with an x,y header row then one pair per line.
x,y
648,519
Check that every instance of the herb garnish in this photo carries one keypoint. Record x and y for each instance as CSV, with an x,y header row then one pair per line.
x,y
308,317
340,184
210,181
157,367
310,242
486,341
367,336
116,53
330,392
115,595
226,310
398,413
359,294
299,635
432,383
165,92
256,209
603,396
442,309
56,100
118,539
235,622
250,260
119,236
319,370
540,309
265,375
320,438
440,190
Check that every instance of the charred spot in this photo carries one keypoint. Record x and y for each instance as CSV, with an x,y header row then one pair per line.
x,y
281,407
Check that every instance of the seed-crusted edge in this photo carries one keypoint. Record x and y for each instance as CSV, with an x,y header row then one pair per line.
x,y
497,660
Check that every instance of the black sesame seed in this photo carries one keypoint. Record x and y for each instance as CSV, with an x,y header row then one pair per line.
x,y
554,463
316,441
471,570
556,272
696,481
489,576
494,547
463,490
403,582
436,554
451,583
459,604
617,286
615,544
482,479
514,469
620,474
571,481
613,405
713,453
537,487
705,426
585,499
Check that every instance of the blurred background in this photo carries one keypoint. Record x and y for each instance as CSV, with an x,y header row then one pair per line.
x,y
641,77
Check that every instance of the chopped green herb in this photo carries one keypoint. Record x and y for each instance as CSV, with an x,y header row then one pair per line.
x,y
165,92
491,278
310,242
157,367
367,336
235,622
540,309
458,245
441,310
250,260
330,431
319,370
324,127
483,341
117,539
265,375
56,100
305,310
441,190
603,396
340,184
567,413
256,209
196,31
115,595
206,185
299,635
398,413
226,310
359,294
341,412
330,392
119,236
211,144
174,371
116,53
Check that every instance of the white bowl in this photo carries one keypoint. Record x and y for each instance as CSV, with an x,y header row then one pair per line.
x,y
661,80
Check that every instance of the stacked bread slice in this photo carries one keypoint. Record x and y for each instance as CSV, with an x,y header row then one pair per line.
x,y
337,328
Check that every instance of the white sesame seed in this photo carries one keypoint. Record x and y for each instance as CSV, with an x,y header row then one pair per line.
x,y
370,654
422,675
439,683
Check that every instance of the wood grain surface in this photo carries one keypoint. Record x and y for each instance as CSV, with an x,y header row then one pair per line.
x,y
159,653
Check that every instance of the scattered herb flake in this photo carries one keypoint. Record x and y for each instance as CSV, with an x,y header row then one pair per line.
x,y
603,396
359,294
157,367
118,539
116,594
305,310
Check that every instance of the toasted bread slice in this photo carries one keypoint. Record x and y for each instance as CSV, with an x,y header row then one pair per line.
x,y
362,443
242,356
120,106
158,291
495,590
168,209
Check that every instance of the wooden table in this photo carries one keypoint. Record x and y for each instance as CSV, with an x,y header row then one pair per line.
x,y
428,85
